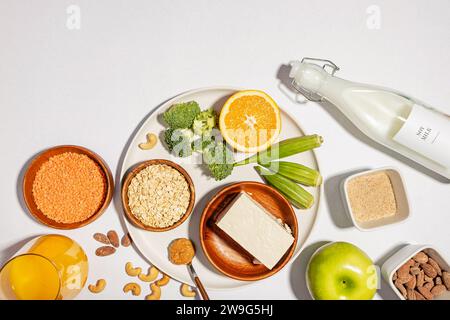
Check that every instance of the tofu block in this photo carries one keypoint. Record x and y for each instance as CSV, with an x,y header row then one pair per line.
x,y
255,229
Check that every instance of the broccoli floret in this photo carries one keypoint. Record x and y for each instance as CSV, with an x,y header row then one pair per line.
x,y
204,122
181,115
179,141
219,160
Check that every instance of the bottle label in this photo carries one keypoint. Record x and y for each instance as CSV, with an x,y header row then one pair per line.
x,y
428,133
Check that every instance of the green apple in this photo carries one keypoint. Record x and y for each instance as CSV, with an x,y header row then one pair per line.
x,y
341,271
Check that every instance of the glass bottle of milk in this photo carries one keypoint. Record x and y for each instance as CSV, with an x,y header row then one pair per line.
x,y
392,119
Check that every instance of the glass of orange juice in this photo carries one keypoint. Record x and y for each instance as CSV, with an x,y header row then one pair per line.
x,y
48,267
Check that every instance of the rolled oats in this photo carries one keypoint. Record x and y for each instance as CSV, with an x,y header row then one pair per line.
x,y
158,195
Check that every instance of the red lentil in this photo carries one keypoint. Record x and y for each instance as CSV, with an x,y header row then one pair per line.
x,y
69,187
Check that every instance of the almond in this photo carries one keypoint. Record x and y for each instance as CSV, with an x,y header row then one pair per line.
x,y
410,295
105,251
415,270
427,278
429,285
404,279
400,288
438,280
421,257
435,265
411,284
420,279
126,240
113,238
429,270
446,279
102,238
403,273
419,296
438,290
425,292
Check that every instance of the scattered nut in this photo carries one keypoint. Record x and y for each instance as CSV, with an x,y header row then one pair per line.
x,y
126,240
186,291
132,272
425,292
435,265
446,279
98,286
163,281
421,257
151,275
438,280
133,287
113,238
437,290
102,238
105,251
151,142
156,292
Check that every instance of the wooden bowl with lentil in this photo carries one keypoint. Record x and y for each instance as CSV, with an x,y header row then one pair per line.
x,y
157,195
67,187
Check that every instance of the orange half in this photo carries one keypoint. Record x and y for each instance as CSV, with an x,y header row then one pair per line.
x,y
250,121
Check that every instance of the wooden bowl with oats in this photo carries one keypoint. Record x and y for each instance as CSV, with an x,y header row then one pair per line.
x,y
157,195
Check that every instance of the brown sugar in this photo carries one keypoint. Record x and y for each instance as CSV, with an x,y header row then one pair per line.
x,y
69,187
371,197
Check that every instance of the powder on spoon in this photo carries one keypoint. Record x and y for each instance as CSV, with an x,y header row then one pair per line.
x,y
69,187
372,197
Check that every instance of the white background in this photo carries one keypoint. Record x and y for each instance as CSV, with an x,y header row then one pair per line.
x,y
93,86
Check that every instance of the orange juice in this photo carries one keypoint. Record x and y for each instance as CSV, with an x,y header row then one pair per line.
x,y
31,277
51,267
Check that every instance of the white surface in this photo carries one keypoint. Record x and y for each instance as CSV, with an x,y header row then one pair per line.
x,y
92,87
153,245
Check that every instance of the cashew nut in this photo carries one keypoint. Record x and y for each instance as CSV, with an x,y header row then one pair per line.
x,y
151,275
98,286
156,292
133,287
132,272
187,291
151,142
163,281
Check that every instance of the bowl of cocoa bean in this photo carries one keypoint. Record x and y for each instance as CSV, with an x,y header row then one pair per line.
x,y
418,272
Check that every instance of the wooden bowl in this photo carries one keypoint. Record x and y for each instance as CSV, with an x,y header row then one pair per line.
x,y
35,165
132,173
223,252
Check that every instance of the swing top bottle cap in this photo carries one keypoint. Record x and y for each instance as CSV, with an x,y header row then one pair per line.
x,y
307,76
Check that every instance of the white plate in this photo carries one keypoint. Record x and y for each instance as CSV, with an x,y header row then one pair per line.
x,y
153,245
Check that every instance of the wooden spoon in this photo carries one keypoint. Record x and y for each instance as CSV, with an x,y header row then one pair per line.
x,y
182,251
